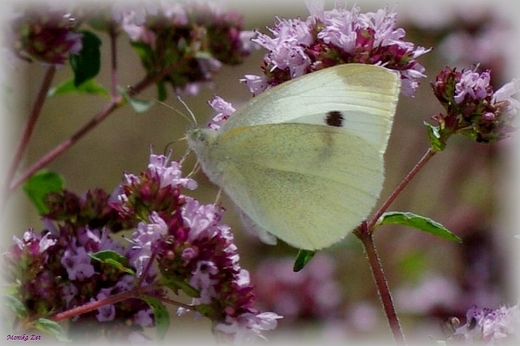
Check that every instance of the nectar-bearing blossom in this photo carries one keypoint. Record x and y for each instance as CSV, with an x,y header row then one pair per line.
x,y
339,36
47,35
473,108
53,272
177,243
189,39
328,38
194,250
490,327
224,110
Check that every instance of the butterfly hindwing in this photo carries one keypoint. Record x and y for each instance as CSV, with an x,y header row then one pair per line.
x,y
309,191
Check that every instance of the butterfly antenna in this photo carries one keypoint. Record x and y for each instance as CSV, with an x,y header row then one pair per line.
x,y
168,106
195,169
219,193
179,98
186,153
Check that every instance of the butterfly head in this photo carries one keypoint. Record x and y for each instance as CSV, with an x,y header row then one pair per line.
x,y
200,140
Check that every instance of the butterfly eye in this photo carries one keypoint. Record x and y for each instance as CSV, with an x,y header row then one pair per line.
x,y
197,135
334,118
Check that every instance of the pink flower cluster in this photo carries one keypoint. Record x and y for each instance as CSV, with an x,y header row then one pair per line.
x,y
338,36
473,108
490,327
195,252
177,243
48,38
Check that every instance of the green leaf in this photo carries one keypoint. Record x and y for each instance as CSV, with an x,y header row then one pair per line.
x,y
140,106
87,63
176,285
39,185
162,94
15,305
50,327
161,315
145,53
302,258
436,141
88,87
419,222
113,259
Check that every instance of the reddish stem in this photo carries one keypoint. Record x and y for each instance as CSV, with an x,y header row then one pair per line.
x,y
51,155
424,159
115,103
31,122
116,298
366,237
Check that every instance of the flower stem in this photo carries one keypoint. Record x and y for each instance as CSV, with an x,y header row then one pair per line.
x,y
365,233
366,237
51,155
116,298
113,59
31,123
115,103
424,159
88,307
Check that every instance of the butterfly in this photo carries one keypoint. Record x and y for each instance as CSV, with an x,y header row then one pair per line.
x,y
303,161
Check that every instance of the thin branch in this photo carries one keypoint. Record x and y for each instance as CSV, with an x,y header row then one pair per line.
x,y
51,155
424,159
115,103
366,237
113,57
365,233
31,123
91,306
172,302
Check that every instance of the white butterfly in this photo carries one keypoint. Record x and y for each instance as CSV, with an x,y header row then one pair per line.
x,y
304,160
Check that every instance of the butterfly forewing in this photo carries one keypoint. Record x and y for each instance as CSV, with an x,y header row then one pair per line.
x,y
309,191
366,95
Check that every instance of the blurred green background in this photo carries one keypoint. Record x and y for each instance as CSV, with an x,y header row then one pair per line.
x,y
468,188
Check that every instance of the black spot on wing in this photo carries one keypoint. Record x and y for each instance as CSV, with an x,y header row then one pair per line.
x,y
334,118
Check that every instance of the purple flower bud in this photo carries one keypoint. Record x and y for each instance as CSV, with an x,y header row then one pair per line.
x,y
144,318
77,263
169,175
489,117
46,35
472,86
224,109
107,312
204,279
195,37
247,327
472,107
490,326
